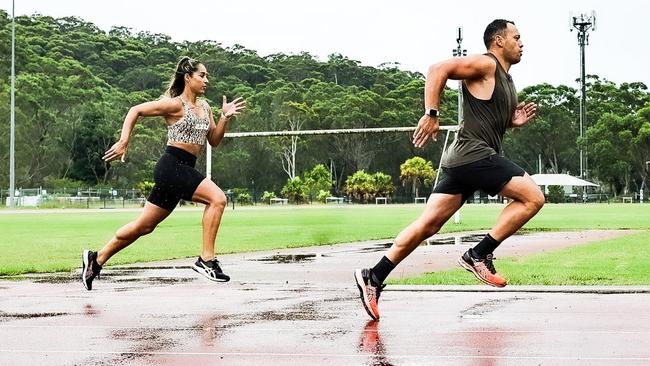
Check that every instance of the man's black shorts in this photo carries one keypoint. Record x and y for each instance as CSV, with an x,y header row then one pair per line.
x,y
489,175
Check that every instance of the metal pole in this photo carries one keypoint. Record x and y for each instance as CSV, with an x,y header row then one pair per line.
x,y
444,148
583,24
208,161
459,52
581,41
12,138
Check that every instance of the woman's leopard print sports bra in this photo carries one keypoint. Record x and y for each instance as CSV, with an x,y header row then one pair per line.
x,y
191,128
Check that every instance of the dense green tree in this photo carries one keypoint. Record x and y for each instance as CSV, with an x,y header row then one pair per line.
x,y
620,150
551,135
75,83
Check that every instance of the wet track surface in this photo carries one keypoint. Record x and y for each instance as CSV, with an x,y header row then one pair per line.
x,y
301,307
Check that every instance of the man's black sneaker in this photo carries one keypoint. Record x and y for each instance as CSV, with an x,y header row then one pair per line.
x,y
210,269
90,268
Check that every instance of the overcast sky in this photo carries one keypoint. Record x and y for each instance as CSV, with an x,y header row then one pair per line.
x,y
411,32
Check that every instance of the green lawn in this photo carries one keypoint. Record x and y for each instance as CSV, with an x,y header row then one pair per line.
x,y
620,261
53,241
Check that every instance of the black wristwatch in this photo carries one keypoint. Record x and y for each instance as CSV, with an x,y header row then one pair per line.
x,y
432,112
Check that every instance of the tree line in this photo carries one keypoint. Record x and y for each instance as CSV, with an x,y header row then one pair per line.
x,y
75,83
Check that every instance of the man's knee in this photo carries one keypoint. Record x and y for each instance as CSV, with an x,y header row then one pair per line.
x,y
430,226
142,229
536,201
218,200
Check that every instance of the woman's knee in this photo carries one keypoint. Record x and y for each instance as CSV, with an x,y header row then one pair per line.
x,y
134,230
143,229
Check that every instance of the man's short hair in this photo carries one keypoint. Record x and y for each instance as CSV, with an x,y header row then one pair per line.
x,y
497,27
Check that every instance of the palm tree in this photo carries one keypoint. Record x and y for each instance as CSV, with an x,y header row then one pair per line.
x,y
416,171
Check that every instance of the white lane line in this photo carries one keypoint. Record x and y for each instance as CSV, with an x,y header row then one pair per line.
x,y
314,329
333,355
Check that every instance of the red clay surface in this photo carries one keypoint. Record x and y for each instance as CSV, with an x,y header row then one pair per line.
x,y
301,307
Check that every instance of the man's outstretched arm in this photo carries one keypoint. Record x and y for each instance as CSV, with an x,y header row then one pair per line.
x,y
474,67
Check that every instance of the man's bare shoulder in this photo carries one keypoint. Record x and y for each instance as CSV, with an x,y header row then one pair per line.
x,y
483,62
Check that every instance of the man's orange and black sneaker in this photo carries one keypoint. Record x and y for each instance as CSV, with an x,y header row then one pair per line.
x,y
483,269
369,292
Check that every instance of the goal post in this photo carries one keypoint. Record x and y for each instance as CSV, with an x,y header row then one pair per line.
x,y
341,131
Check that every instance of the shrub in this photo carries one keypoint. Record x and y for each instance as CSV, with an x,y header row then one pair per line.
x,y
295,190
322,196
244,198
555,194
266,197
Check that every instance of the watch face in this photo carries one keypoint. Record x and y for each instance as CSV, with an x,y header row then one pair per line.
x,y
433,113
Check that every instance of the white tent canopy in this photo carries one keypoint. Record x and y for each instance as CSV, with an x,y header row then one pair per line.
x,y
560,180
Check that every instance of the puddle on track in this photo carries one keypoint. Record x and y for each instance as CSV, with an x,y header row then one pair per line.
x,y
470,239
287,258
15,316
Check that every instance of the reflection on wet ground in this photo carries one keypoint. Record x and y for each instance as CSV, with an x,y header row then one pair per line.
x,y
287,258
486,344
43,278
110,274
459,239
306,310
371,344
157,280
90,310
491,305
142,268
15,316
29,315
372,248
469,239
144,342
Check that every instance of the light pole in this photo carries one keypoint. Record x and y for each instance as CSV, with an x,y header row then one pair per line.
x,y
12,134
583,24
643,183
459,52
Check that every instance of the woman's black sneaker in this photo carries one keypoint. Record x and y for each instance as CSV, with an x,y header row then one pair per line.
x,y
210,269
90,268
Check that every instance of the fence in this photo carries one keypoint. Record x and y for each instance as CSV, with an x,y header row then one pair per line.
x,y
74,198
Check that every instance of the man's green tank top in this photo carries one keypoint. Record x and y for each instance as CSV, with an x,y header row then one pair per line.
x,y
484,122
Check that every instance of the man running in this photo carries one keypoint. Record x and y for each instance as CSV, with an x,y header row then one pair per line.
x,y
472,162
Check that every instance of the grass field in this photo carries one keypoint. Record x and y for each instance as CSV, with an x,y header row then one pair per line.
x,y
620,261
52,241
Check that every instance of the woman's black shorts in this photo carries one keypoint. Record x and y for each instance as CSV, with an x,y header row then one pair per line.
x,y
489,175
175,178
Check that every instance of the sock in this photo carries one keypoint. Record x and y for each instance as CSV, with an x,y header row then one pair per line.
x,y
206,260
485,247
381,270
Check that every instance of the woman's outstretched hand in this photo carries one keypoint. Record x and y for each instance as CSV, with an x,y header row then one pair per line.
x,y
229,110
118,150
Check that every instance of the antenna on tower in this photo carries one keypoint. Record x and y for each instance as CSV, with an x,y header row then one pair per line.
x,y
583,23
